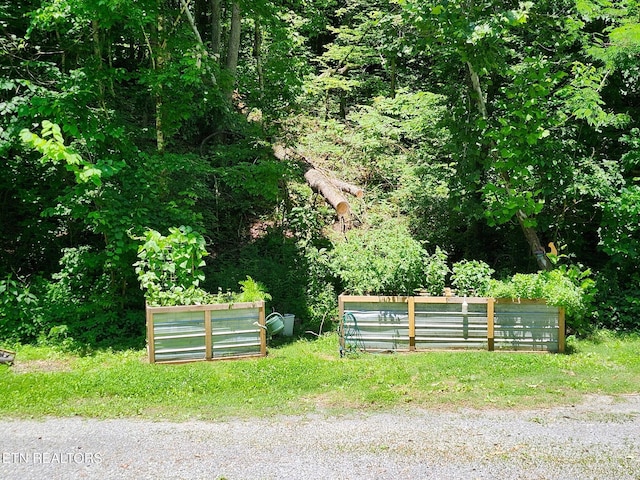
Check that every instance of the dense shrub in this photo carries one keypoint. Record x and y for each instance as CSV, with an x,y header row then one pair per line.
x,y
169,269
471,277
436,271
384,260
618,300
18,310
568,287
82,304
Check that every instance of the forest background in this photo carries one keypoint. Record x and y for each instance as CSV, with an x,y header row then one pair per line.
x,y
492,139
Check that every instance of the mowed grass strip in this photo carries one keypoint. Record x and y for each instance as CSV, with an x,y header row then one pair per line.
x,y
310,377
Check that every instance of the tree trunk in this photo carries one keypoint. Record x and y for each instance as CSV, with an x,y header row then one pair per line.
x,y
329,188
394,76
216,27
63,56
321,184
257,53
97,53
529,232
159,65
192,21
196,32
234,40
343,104
533,240
475,82
349,188
200,14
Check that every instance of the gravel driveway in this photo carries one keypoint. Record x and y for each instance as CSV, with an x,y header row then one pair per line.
x,y
599,439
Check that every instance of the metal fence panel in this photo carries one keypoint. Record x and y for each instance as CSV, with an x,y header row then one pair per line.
x,y
410,323
377,325
205,332
235,332
446,325
527,326
179,336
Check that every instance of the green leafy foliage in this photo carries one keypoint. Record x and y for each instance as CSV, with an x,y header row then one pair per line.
x,y
385,260
471,277
252,291
570,287
620,230
170,271
51,146
436,271
19,318
462,121
83,306
617,300
169,268
583,100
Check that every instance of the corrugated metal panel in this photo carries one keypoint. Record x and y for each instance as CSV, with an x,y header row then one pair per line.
x,y
235,333
179,336
527,326
182,335
443,325
384,323
377,326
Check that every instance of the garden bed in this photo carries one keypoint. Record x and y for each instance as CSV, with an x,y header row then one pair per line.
x,y
206,332
396,323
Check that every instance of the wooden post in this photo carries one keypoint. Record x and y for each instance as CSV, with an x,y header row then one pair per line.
x,y
150,337
490,324
412,323
341,324
263,330
561,330
208,336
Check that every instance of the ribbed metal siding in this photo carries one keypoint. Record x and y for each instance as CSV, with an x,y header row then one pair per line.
x,y
386,323
179,336
234,332
443,325
527,326
182,336
377,326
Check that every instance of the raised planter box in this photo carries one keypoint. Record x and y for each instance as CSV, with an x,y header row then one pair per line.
x,y
379,323
206,332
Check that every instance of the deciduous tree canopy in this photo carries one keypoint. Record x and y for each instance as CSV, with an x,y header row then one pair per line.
x,y
486,130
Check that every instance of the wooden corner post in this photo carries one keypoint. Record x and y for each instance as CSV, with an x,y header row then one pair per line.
x,y
151,351
490,324
341,323
561,330
412,323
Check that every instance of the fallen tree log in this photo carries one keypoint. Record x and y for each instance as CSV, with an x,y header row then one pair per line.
x,y
321,184
330,188
354,190
282,153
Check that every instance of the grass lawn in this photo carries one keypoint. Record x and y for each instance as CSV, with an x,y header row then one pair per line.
x,y
309,377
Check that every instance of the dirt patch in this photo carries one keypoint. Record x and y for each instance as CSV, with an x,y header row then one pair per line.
x,y
41,366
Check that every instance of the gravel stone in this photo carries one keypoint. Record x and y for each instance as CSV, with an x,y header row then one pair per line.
x,y
595,440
